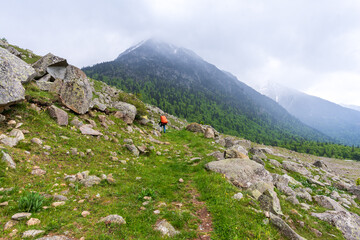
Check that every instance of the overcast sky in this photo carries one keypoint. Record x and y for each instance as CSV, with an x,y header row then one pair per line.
x,y
310,45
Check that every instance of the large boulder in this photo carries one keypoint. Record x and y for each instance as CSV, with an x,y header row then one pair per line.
x,y
75,90
13,71
270,202
126,111
50,60
347,222
195,127
209,133
236,151
241,172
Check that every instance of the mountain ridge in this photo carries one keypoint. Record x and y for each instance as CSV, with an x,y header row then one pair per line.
x,y
156,70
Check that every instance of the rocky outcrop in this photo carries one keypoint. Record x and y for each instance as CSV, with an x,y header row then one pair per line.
x,y
13,72
50,61
348,223
126,112
295,167
284,228
195,127
241,172
329,203
236,151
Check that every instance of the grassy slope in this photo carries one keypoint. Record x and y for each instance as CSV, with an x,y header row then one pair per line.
x,y
232,219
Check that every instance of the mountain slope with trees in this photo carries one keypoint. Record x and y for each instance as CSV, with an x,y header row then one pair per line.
x,y
183,84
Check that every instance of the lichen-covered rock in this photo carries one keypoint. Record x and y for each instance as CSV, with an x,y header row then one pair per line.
x,y
166,228
242,172
75,91
348,223
59,115
284,228
270,202
209,133
126,111
13,71
116,219
329,203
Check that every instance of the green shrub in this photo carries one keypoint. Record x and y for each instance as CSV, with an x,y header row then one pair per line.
x,y
31,202
358,181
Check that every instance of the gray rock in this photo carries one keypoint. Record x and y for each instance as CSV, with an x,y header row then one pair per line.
x,y
90,181
116,219
320,164
9,161
329,203
87,130
2,118
209,133
41,66
295,167
218,155
293,200
60,198
54,238
36,141
166,228
13,71
38,171
10,224
236,151
356,191
258,152
13,50
284,228
238,196
32,233
348,223
20,216
270,202
195,127
342,185
258,160
17,134
302,193
282,184
75,91
76,122
335,195
127,112
275,163
97,104
59,115
241,172
132,149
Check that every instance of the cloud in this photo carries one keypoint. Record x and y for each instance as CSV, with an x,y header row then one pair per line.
x,y
297,43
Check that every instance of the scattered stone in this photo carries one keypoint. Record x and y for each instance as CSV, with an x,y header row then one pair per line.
x,y
85,213
36,141
270,202
181,180
3,204
87,130
113,219
57,204
132,149
76,122
2,118
8,159
317,232
32,233
59,115
293,200
295,167
238,196
275,163
10,224
54,238
209,133
74,151
20,216
90,181
60,198
195,127
166,228
13,233
38,171
33,221
320,164
284,228
329,203
157,212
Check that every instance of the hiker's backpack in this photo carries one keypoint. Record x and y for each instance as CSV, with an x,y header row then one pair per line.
x,y
163,120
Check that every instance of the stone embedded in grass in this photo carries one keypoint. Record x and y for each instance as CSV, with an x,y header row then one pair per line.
x,y
87,130
285,229
90,181
36,141
132,149
38,171
10,224
57,204
60,197
85,213
156,212
54,238
116,219
33,221
238,196
59,115
8,159
32,233
20,216
166,228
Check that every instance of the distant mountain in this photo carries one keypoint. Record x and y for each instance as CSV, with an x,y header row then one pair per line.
x,y
353,107
331,119
182,83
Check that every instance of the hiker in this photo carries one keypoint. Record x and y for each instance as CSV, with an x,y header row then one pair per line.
x,y
163,122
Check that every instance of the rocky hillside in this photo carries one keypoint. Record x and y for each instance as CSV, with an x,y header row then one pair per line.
x,y
82,160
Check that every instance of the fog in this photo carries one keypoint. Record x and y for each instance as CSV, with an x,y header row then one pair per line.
x,y
312,46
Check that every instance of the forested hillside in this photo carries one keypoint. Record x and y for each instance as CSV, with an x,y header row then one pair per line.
x,y
183,84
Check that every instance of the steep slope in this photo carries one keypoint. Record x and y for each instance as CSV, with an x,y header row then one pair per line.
x,y
333,120
181,83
